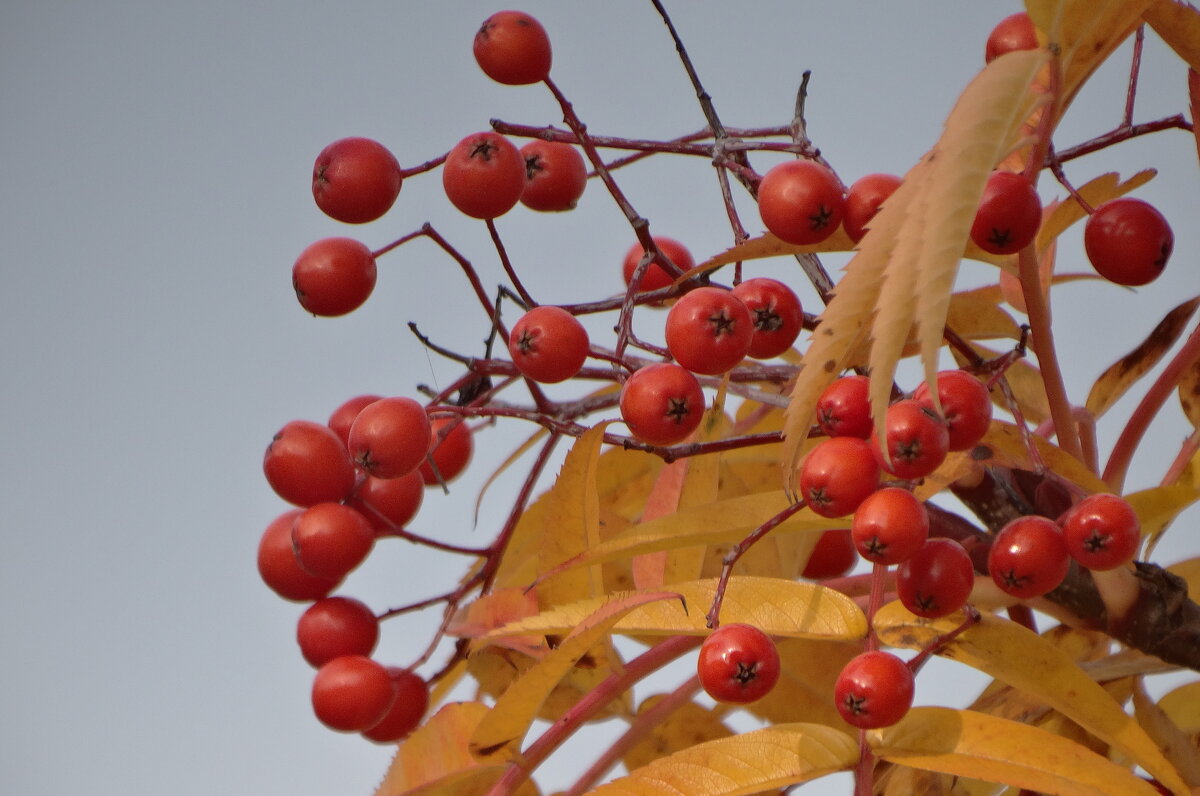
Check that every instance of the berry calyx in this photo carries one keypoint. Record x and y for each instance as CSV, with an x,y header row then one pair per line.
x,y
738,663
1128,241
355,180
1102,532
512,48
662,403
875,689
801,202
548,344
334,276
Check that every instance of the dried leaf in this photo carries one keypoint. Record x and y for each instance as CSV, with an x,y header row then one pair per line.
x,y
1174,742
1123,373
435,758
501,731
772,757
776,606
1011,653
976,745
1179,26
1189,393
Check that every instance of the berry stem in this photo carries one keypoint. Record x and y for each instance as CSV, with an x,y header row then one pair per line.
x,y
508,268
1176,122
1139,38
591,703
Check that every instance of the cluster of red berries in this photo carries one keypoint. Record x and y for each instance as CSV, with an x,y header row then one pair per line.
x,y
357,478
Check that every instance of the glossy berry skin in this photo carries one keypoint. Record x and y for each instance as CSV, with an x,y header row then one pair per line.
x,y
1029,557
355,180
1015,32
917,440
801,202
1102,532
450,450
307,464
555,176
889,526
512,48
548,344
1009,214
279,569
738,663
343,417
352,693
833,556
936,580
966,405
662,403
655,277
844,409
484,175
330,540
412,700
863,200
875,689
776,313
388,504
709,330
837,476
1128,241
389,437
336,626
334,276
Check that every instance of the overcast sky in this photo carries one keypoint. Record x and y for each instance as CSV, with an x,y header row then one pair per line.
x,y
157,192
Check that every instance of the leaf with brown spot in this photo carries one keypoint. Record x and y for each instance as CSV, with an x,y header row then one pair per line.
x,y
1123,373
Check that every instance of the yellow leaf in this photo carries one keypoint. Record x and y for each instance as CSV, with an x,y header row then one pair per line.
x,y
699,491
1122,374
1179,26
772,757
1158,507
501,731
571,522
1189,570
1024,660
976,745
1182,705
1171,738
768,245
808,670
435,758
976,315
687,725
778,607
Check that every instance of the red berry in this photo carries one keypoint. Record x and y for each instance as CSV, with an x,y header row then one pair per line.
x,y
307,464
875,689
662,403
512,48
389,438
1029,557
343,417
336,626
776,312
450,448
738,663
412,699
966,406
352,693
1102,532
548,344
889,526
334,276
917,440
330,540
1009,214
1128,241
709,330
936,580
801,202
844,409
863,200
833,556
1015,32
555,176
355,180
484,175
655,277
279,569
388,504
838,475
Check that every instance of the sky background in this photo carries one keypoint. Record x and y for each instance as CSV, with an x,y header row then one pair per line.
x,y
157,193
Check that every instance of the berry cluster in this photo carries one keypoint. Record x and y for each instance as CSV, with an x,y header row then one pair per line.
x,y
363,474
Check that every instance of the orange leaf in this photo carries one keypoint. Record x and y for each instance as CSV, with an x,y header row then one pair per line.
x,y
649,568
1171,738
1179,26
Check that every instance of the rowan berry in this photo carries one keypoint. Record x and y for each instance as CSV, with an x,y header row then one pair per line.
x,y
709,330
801,202
863,201
484,175
1009,214
336,626
917,440
889,526
937,579
1102,532
1128,241
390,437
279,569
388,504
662,403
343,417
555,176
738,663
837,475
966,406
776,313
1015,32
833,556
875,689
512,48
355,180
844,408
408,708
655,277
450,448
334,276
548,344
1029,557
330,540
307,464
352,693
